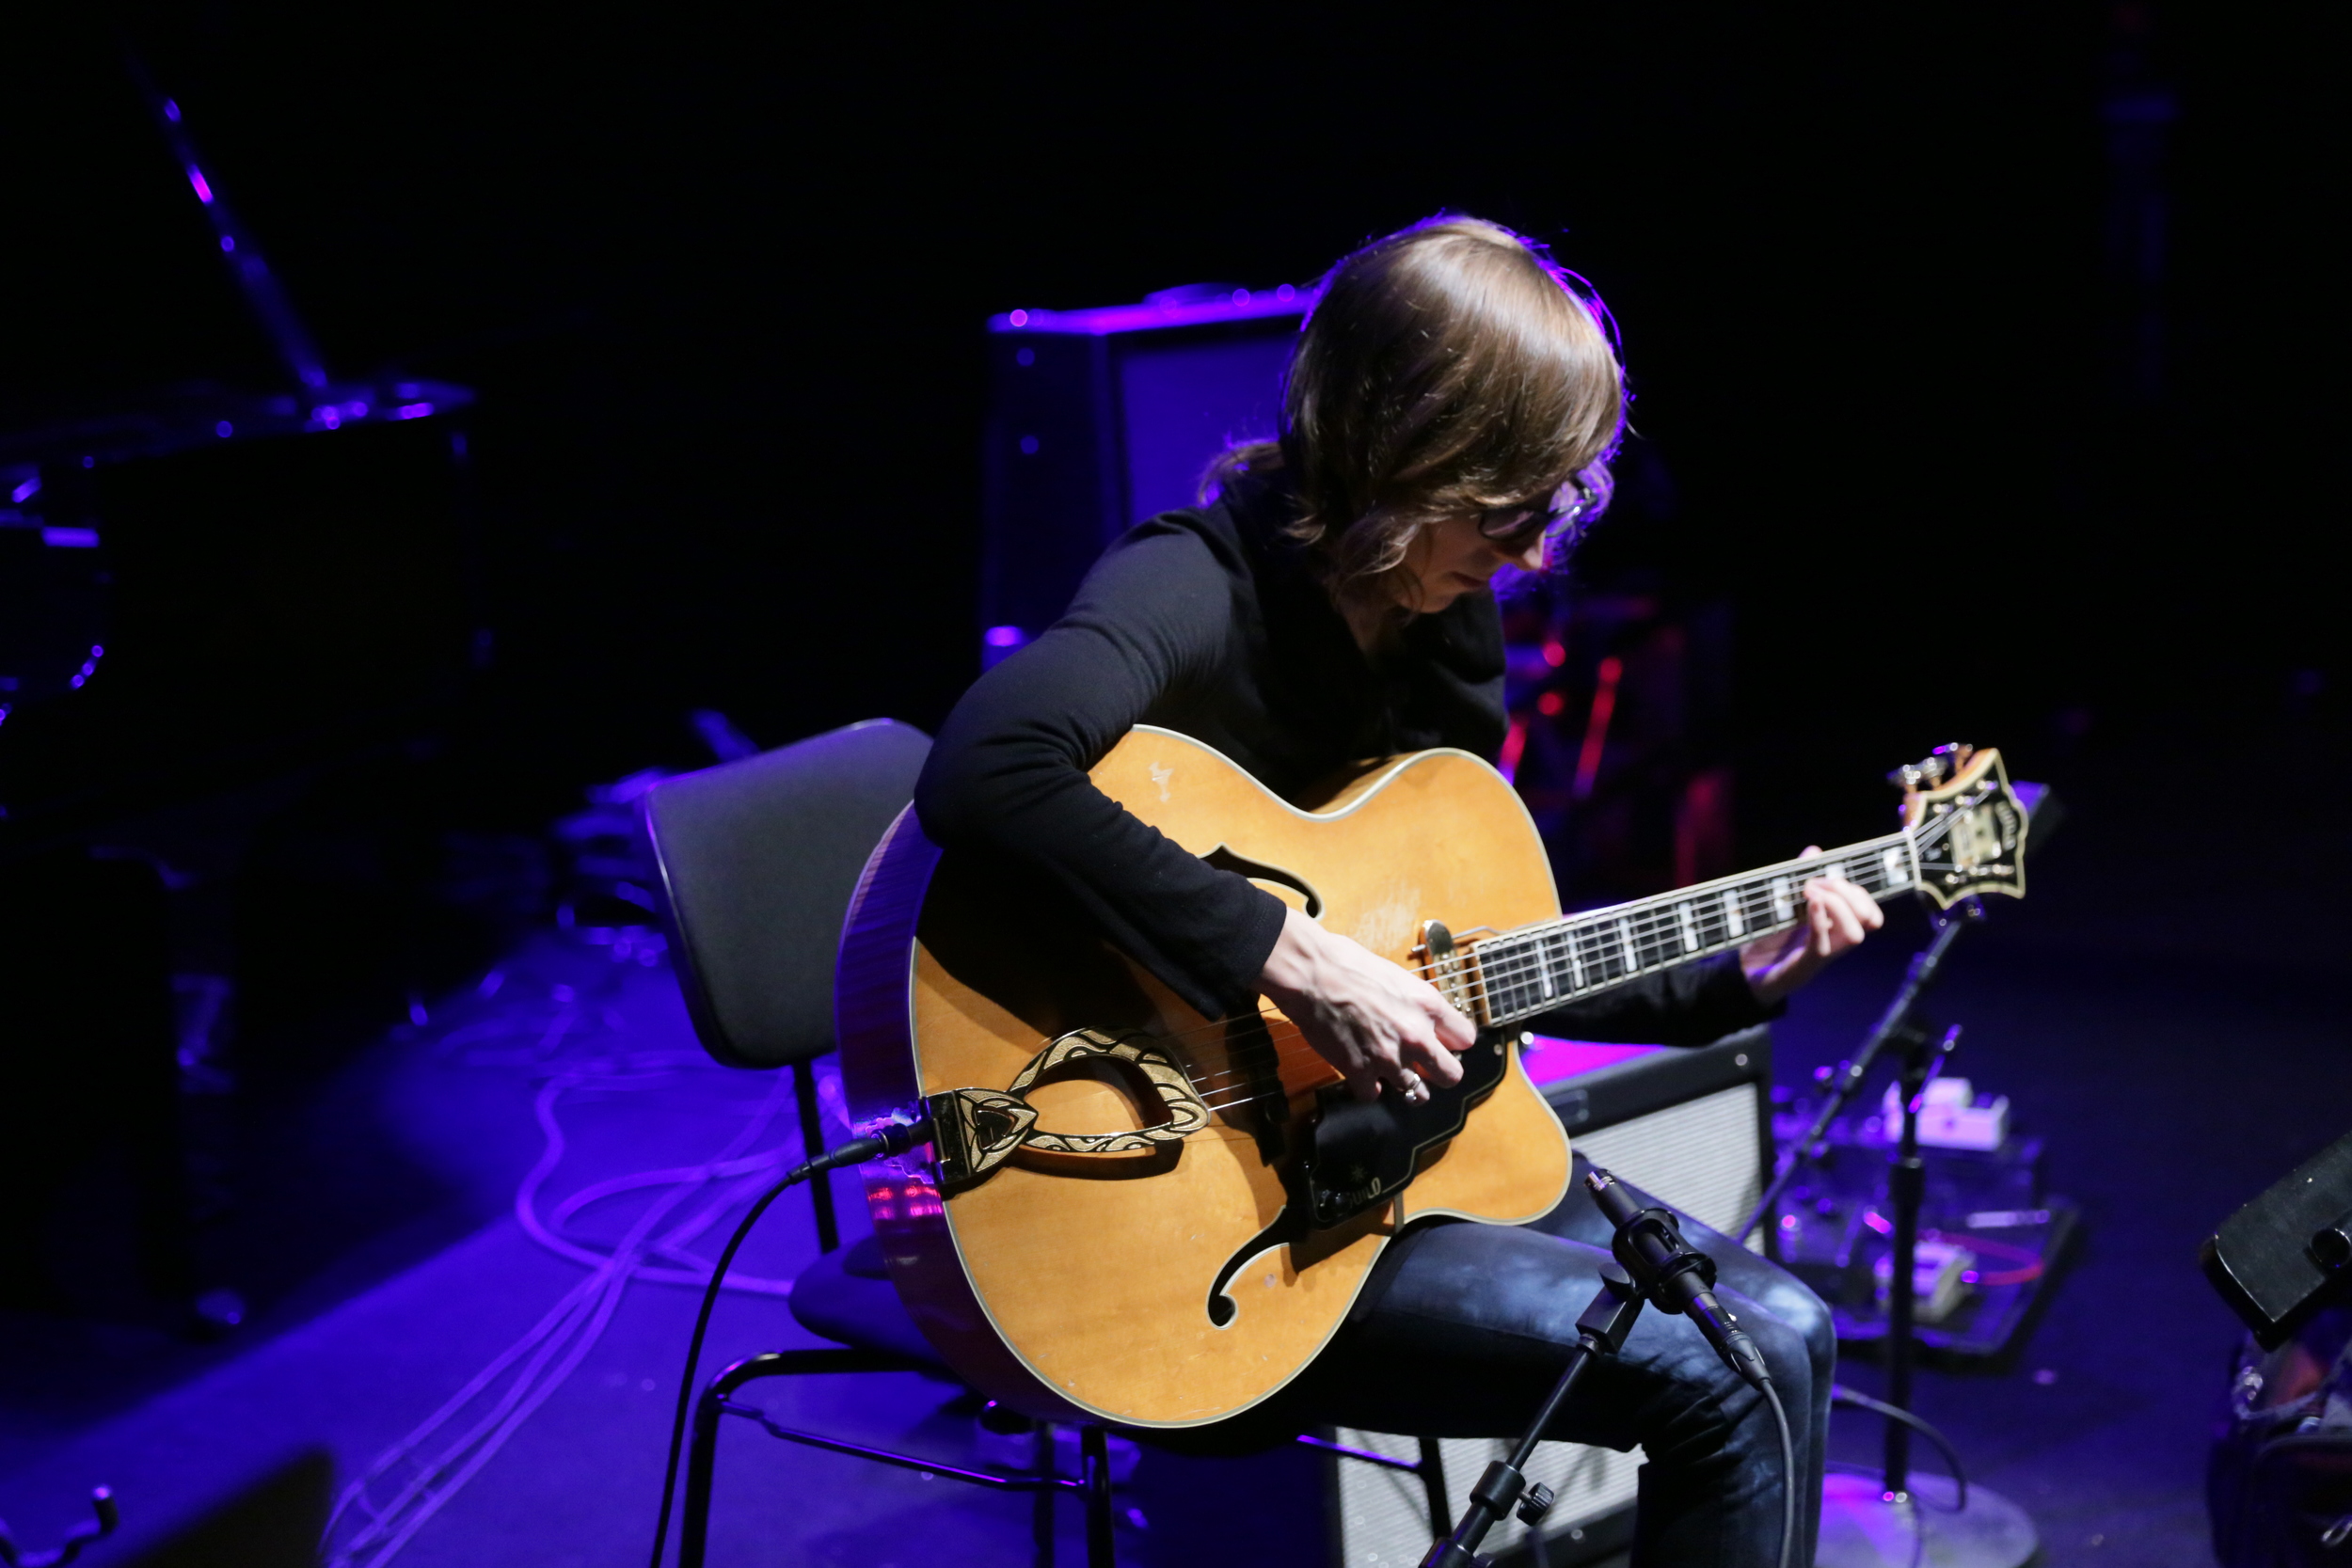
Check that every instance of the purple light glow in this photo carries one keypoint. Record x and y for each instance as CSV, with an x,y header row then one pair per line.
x,y
1243,305
1028,446
171,111
1006,637
224,430
227,243
412,411
25,491
203,191
326,416
69,538
1550,1059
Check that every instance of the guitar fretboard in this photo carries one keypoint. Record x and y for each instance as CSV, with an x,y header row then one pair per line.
x,y
1537,968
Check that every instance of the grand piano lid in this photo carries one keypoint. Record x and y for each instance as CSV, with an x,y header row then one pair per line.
x,y
176,420
179,418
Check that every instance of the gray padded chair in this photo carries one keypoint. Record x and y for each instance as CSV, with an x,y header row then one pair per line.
x,y
756,863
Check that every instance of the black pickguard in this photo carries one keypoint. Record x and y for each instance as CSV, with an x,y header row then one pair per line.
x,y
1352,1155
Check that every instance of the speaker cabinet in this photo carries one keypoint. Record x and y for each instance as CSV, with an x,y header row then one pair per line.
x,y
1692,1126
1100,419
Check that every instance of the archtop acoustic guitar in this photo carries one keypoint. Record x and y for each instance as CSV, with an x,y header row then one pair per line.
x,y
1134,1214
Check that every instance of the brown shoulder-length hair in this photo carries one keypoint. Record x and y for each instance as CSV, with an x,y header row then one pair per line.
x,y
1446,369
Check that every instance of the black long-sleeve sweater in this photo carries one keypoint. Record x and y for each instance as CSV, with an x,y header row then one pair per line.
x,y
1208,623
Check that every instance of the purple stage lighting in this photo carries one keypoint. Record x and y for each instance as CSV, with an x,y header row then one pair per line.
x,y
1172,309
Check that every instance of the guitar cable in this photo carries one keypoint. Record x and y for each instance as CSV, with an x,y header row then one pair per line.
x,y
893,1138
1787,1477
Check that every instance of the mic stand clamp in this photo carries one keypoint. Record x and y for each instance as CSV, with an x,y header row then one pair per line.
x,y
1600,1331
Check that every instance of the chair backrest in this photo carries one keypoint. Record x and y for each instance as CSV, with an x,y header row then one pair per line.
x,y
757,861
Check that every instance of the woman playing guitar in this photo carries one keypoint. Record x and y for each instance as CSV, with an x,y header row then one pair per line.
x,y
1449,412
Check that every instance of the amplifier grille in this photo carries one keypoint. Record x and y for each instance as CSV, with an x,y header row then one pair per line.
x,y
1700,1156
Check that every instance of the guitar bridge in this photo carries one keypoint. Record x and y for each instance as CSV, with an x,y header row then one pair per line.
x,y
1450,968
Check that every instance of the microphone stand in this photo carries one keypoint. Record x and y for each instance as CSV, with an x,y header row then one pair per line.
x,y
1891,1522
1894,1026
1600,1331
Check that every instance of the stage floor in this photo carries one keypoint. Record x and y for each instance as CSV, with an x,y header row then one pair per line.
x,y
2178,1039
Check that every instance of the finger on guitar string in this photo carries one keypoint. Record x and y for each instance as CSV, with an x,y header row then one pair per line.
x,y
1839,912
1369,1018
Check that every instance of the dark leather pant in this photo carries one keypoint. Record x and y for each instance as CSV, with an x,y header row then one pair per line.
x,y
1463,1329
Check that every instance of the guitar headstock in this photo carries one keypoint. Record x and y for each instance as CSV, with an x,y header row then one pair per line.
x,y
1967,825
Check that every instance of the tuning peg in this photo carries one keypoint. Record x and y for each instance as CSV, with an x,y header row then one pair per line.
x,y
1932,770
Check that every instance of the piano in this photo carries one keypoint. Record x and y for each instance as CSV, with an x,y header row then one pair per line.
x,y
212,598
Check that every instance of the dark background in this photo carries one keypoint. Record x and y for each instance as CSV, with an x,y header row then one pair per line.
x,y
2001,410
1995,353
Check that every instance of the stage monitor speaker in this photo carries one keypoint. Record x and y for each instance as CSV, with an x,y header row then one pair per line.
x,y
1100,419
1692,1127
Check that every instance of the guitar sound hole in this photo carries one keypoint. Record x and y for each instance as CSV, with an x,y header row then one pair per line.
x,y
1223,858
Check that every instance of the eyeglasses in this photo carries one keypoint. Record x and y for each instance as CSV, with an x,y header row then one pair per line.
x,y
1514,528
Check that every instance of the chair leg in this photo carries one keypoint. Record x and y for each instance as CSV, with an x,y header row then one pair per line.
x,y
693,1526
1433,1487
813,1140
1095,1443
1042,1501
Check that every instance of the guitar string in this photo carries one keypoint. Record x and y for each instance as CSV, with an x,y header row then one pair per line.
x,y
1531,953
1649,928
1656,916
1859,863
1519,953
1281,1031
1528,954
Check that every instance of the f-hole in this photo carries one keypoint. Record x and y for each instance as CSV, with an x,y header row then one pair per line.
x,y
1224,859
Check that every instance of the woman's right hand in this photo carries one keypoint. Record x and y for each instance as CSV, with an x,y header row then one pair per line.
x,y
1378,1023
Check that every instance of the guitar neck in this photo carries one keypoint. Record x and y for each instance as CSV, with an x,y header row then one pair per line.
x,y
1520,974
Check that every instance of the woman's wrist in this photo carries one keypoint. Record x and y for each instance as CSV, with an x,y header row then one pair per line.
x,y
1290,966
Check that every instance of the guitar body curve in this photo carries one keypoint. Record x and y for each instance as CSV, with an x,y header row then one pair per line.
x,y
1155,1267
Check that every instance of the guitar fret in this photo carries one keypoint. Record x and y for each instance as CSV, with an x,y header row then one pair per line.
x,y
1527,972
